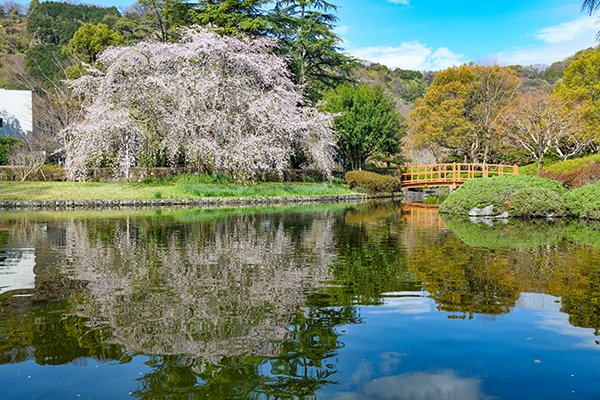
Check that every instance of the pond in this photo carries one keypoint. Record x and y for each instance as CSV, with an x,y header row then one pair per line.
x,y
363,301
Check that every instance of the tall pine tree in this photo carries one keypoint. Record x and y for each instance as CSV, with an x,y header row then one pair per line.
x,y
306,31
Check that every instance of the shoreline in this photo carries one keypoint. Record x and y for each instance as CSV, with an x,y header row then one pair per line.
x,y
199,203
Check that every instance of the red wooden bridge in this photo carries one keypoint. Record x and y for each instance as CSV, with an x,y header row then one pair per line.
x,y
453,175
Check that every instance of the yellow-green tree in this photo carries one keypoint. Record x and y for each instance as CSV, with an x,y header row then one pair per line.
x,y
581,84
461,109
90,40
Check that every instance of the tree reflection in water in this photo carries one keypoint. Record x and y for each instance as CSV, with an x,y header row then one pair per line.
x,y
244,304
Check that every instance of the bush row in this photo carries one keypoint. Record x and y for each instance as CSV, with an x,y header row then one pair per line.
x,y
371,182
525,197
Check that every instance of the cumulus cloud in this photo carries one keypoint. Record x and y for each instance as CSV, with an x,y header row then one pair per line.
x,y
410,55
557,42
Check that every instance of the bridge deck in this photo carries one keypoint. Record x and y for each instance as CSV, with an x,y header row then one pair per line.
x,y
454,175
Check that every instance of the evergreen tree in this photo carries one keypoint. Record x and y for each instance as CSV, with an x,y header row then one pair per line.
x,y
234,16
305,29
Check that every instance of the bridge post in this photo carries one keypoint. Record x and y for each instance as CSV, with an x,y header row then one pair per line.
x,y
515,170
454,175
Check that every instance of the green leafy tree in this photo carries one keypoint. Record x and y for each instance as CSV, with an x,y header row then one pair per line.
x,y
90,40
305,29
581,84
367,122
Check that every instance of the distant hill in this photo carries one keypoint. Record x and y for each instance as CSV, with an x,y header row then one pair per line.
x,y
405,85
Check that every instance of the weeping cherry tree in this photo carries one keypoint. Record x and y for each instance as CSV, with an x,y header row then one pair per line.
x,y
222,104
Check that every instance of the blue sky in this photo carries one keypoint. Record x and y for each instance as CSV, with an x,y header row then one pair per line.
x,y
435,34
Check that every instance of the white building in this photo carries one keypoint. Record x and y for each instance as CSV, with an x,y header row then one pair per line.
x,y
15,112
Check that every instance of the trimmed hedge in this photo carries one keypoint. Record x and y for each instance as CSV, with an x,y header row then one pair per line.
x,y
584,202
536,202
496,191
370,182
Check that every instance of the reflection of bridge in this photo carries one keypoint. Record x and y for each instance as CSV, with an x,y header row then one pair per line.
x,y
422,215
453,175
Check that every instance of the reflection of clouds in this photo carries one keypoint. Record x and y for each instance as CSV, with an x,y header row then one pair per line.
x,y
539,302
553,320
444,385
390,360
559,323
405,305
16,270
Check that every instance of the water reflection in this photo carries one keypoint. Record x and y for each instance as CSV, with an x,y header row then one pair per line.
x,y
443,385
258,304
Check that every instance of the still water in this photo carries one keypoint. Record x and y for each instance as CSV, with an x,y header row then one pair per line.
x,y
345,302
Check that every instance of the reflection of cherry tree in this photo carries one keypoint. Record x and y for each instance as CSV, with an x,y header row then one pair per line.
x,y
209,290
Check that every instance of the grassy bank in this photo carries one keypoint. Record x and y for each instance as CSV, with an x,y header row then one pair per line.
x,y
574,172
183,189
525,197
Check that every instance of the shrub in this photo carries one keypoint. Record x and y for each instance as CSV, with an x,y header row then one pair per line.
x,y
536,202
371,182
584,202
496,191
6,146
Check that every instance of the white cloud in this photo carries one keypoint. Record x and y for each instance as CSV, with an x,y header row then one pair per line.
x,y
405,2
410,55
559,42
341,30
569,31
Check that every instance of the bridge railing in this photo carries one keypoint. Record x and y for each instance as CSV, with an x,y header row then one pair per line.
x,y
453,174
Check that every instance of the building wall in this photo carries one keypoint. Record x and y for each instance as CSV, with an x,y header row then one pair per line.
x,y
16,112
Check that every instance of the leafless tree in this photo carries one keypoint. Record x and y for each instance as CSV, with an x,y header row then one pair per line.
x,y
25,161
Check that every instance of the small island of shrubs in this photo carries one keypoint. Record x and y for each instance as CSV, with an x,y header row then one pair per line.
x,y
525,197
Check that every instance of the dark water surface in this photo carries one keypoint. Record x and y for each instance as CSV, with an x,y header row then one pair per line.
x,y
346,302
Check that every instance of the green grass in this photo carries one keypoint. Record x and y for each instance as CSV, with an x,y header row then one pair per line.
x,y
528,170
576,164
263,189
560,167
183,189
